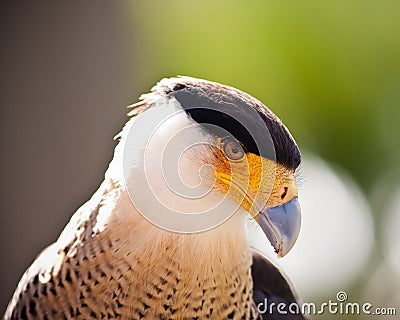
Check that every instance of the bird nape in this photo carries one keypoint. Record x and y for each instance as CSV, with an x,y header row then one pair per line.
x,y
165,235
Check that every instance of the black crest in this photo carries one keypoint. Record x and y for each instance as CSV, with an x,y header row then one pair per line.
x,y
228,109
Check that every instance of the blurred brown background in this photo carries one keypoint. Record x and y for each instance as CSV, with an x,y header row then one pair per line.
x,y
329,69
67,73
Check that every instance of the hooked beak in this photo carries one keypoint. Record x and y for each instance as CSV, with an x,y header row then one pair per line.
x,y
269,186
281,225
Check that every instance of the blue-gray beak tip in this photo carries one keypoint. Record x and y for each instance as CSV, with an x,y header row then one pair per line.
x,y
281,225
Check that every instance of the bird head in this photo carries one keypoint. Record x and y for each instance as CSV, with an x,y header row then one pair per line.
x,y
196,152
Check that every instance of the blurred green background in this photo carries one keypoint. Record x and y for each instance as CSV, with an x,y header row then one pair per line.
x,y
329,69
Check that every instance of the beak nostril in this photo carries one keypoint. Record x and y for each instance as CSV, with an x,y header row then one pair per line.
x,y
285,190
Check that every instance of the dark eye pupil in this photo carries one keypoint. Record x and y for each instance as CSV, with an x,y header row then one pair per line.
x,y
232,149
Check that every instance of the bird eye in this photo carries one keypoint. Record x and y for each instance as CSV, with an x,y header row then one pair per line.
x,y
232,149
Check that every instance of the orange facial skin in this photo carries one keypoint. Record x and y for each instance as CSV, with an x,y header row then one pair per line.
x,y
253,181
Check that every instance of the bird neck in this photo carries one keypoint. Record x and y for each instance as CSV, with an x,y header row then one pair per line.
x,y
225,246
198,275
